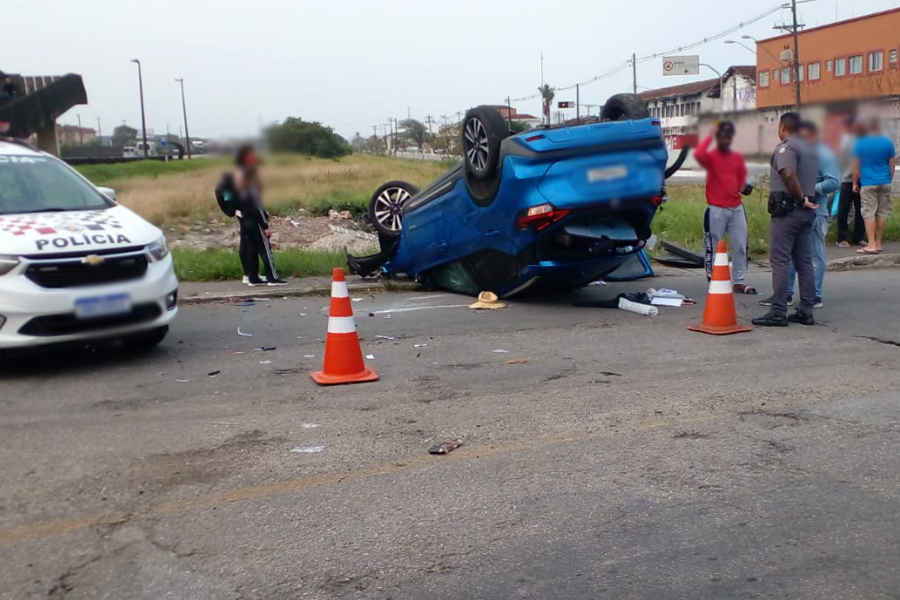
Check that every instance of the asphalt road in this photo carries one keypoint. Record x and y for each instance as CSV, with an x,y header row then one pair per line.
x,y
627,458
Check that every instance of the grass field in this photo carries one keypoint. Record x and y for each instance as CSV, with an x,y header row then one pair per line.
x,y
167,193
223,265
681,220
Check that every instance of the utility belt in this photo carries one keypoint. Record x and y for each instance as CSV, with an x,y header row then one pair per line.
x,y
782,203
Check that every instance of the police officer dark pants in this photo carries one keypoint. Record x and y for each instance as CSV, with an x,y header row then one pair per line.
x,y
790,238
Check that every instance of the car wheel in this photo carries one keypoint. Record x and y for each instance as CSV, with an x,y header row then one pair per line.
x,y
482,132
624,107
386,206
146,339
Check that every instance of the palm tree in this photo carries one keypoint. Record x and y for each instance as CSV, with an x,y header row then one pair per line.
x,y
547,95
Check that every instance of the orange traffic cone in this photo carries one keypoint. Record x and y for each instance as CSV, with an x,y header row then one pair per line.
x,y
719,317
343,354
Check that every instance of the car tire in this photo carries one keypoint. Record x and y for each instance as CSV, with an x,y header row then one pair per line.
x,y
624,107
146,339
386,206
483,130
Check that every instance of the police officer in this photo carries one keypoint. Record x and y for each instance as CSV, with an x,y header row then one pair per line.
x,y
795,165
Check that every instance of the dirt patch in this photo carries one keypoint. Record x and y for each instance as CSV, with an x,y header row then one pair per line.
x,y
296,231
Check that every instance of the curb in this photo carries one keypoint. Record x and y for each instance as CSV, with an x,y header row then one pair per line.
x,y
864,261
362,287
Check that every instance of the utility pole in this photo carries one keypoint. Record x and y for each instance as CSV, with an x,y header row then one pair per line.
x,y
796,56
187,135
508,113
143,117
429,120
634,72
408,113
80,134
542,70
578,103
99,131
794,28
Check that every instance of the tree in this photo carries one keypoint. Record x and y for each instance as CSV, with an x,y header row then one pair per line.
x,y
547,95
447,140
123,135
314,139
519,126
415,132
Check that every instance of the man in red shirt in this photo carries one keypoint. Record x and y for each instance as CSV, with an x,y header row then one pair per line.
x,y
726,180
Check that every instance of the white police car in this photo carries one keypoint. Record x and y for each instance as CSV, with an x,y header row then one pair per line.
x,y
74,265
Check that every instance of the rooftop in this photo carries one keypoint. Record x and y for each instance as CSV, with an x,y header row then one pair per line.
x,y
835,24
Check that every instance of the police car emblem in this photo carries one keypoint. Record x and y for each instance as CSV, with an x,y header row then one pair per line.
x,y
93,260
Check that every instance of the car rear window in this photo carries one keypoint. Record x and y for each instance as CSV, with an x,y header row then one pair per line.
x,y
42,184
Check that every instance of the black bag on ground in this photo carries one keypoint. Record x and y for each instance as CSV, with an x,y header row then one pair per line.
x,y
227,195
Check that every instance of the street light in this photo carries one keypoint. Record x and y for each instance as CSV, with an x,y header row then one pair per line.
x,y
721,90
744,46
143,118
750,37
80,134
99,132
187,135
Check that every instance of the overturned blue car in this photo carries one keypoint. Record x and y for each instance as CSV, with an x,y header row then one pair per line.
x,y
546,209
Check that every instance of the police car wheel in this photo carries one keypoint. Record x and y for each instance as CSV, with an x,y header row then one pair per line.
x,y
146,339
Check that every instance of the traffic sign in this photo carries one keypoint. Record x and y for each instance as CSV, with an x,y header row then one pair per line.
x,y
681,65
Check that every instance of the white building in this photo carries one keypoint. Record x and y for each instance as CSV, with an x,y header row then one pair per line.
x,y
680,107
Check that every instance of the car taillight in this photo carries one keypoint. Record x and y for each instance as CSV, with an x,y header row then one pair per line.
x,y
656,200
540,217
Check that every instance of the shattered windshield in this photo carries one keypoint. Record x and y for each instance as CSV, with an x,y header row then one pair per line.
x,y
31,184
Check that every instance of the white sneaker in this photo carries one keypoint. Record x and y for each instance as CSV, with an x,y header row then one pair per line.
x,y
246,280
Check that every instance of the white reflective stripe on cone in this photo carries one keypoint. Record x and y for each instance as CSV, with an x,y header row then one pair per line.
x,y
341,325
720,287
339,289
721,260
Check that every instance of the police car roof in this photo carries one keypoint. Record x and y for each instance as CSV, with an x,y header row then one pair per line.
x,y
16,147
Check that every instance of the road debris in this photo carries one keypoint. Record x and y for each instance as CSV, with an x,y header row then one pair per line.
x,y
310,425
242,333
370,357
265,362
420,345
638,308
384,337
500,351
487,301
237,353
610,374
446,447
213,373
307,449
517,361
597,283
183,380
309,356
268,348
250,302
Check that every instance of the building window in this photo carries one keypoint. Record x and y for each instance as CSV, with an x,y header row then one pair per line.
x,y
893,56
856,64
876,61
786,75
800,72
840,67
813,71
764,79
828,66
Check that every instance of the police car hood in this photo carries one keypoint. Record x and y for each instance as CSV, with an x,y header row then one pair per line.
x,y
74,231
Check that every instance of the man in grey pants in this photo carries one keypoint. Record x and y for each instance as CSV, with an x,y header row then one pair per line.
x,y
795,165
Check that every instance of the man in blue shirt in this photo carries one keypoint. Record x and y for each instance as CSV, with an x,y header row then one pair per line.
x,y
828,181
874,161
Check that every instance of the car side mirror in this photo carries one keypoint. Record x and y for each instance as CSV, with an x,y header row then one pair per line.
x,y
108,192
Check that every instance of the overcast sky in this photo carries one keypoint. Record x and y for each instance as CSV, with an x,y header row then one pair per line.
x,y
352,64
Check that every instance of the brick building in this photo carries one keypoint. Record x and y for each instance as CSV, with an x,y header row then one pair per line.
x,y
844,67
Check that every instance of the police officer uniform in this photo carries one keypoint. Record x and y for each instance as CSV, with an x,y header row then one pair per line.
x,y
790,231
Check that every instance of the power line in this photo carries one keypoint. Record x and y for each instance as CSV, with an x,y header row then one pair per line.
x,y
642,59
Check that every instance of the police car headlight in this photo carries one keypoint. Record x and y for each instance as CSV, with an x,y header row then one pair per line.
x,y
8,263
158,249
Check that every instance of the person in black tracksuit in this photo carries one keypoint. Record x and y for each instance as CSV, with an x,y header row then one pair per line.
x,y
254,222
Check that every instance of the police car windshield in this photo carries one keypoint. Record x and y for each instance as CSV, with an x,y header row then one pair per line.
x,y
42,184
